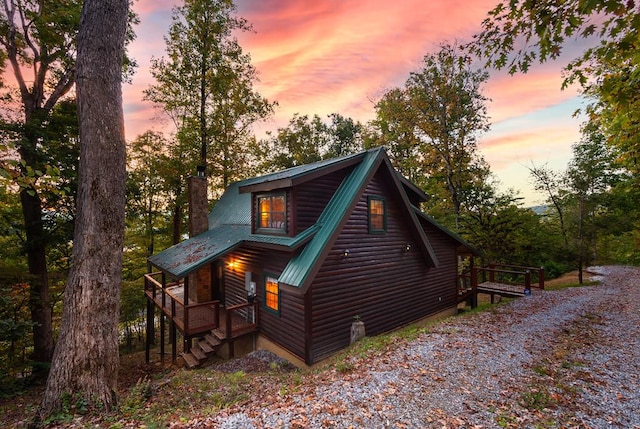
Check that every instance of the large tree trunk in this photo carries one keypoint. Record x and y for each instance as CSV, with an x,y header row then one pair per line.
x,y
85,361
39,301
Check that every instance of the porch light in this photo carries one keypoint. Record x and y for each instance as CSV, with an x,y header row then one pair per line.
x,y
345,254
407,248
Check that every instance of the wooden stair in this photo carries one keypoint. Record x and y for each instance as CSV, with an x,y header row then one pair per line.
x,y
204,348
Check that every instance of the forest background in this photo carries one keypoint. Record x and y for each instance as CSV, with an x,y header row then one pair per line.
x,y
206,84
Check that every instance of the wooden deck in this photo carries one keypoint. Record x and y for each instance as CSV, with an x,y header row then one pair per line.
x,y
196,318
510,281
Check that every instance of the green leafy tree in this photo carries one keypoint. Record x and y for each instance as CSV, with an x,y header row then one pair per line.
x,y
393,128
15,318
345,136
590,176
517,34
147,191
205,84
551,184
37,38
442,111
308,139
586,208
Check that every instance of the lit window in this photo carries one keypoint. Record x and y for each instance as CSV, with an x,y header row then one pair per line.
x,y
271,294
271,212
377,215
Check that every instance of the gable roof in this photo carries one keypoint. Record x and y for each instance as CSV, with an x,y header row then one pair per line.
x,y
301,269
230,219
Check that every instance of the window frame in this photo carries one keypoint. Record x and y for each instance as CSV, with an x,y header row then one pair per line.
x,y
258,228
265,304
371,215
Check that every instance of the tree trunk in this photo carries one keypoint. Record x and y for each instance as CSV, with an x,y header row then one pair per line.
x,y
85,361
177,222
39,301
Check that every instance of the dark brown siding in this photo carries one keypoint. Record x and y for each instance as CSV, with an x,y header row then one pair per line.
x,y
312,197
442,280
287,328
380,282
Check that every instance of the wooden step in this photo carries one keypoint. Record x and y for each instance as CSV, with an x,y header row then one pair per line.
x,y
214,342
190,360
206,347
198,352
222,335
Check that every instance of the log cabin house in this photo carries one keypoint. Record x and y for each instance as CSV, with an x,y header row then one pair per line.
x,y
288,261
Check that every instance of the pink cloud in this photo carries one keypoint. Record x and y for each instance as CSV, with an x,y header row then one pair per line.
x,y
340,56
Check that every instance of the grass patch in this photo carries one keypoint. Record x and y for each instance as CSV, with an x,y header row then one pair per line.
x,y
571,280
560,286
536,399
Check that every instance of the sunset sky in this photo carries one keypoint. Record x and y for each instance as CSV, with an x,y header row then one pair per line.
x,y
340,56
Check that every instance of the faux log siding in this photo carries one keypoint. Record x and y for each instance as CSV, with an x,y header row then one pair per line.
x,y
312,197
379,281
287,328
444,278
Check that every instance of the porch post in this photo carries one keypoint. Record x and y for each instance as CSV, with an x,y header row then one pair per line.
x,y
474,287
162,333
150,329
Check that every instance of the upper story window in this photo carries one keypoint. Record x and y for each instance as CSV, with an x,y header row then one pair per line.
x,y
271,212
377,215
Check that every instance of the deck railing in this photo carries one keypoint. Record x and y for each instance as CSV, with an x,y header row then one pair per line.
x,y
514,274
192,318
241,319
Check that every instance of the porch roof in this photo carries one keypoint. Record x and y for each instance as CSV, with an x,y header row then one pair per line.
x,y
187,256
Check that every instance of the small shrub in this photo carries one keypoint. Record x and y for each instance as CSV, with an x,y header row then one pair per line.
x,y
137,396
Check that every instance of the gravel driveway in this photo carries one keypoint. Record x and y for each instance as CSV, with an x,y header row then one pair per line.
x,y
567,358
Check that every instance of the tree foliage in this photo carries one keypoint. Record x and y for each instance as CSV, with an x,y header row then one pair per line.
x,y
587,208
308,139
36,38
205,84
518,33
38,53
432,125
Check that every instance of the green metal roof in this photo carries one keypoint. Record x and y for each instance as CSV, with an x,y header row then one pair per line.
x,y
302,265
189,255
288,177
229,227
233,208
230,220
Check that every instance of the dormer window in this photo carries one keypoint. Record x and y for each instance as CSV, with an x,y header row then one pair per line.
x,y
271,213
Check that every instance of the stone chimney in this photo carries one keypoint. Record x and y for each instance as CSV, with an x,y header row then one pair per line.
x,y
200,281
198,204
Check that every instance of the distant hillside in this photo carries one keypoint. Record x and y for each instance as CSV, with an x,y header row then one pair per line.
x,y
539,210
